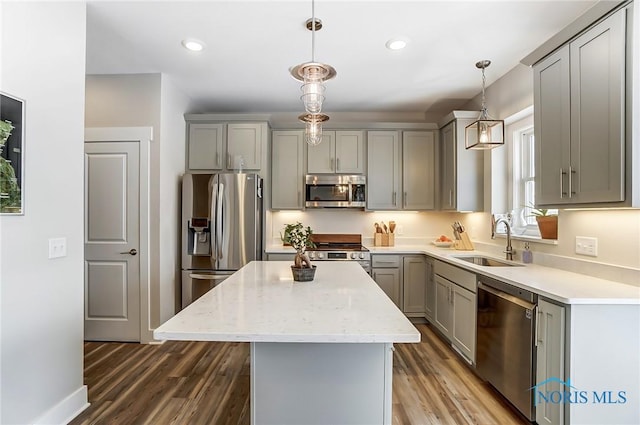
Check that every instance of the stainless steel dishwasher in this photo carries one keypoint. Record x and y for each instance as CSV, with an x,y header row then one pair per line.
x,y
505,341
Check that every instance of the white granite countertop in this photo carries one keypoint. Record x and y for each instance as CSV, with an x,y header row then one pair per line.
x,y
555,284
262,303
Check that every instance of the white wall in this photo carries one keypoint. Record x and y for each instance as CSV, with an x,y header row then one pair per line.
x,y
172,165
43,62
150,100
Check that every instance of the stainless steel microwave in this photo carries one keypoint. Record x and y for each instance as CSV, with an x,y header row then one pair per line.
x,y
335,191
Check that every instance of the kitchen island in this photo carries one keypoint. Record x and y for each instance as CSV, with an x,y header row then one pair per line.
x,y
321,351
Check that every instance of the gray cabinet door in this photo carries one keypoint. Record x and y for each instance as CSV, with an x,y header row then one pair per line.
x,y
205,146
244,146
463,329
383,170
597,112
418,170
444,311
430,293
414,279
448,167
349,152
552,128
287,172
389,281
321,159
550,347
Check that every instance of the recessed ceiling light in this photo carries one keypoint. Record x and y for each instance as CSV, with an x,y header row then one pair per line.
x,y
396,44
192,44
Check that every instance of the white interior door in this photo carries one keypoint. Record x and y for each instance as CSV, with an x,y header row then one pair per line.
x,y
112,241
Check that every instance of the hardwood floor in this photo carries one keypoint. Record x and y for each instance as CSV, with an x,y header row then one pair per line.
x,y
197,383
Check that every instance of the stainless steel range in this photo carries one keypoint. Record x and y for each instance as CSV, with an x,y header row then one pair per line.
x,y
340,247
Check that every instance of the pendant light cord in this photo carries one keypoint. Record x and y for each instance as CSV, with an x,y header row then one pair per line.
x,y
313,31
484,107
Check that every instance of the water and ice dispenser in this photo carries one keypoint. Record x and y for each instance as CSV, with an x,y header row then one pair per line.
x,y
199,236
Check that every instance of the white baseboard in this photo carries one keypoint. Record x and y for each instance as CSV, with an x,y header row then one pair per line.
x,y
64,412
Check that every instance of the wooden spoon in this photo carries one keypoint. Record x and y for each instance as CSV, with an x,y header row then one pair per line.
x,y
392,226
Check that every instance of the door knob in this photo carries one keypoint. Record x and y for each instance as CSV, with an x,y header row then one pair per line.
x,y
132,251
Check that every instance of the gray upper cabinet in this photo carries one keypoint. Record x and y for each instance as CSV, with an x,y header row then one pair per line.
x,y
215,144
418,170
579,107
287,173
205,146
340,152
461,170
383,170
244,146
401,170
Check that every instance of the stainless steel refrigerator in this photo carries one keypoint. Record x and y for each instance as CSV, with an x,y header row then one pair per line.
x,y
221,228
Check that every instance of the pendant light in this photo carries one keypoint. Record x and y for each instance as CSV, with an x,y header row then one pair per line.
x,y
313,127
313,75
484,133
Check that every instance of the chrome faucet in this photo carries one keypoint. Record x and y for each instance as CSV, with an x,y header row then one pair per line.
x,y
509,251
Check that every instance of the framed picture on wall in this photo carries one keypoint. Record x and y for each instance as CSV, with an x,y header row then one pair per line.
x,y
11,154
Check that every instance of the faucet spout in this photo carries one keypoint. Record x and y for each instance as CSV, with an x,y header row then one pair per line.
x,y
509,251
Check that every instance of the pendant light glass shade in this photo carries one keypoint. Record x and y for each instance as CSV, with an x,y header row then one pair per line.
x,y
313,127
484,133
313,88
313,75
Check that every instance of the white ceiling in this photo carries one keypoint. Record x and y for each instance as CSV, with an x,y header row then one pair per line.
x,y
250,45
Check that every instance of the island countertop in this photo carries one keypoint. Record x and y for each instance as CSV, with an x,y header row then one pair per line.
x,y
262,303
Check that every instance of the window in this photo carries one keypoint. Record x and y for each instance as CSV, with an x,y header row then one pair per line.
x,y
523,192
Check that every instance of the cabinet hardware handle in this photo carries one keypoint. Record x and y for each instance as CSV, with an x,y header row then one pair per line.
x,y
333,164
404,202
536,315
562,192
450,197
394,199
337,164
298,198
132,251
229,161
217,159
571,173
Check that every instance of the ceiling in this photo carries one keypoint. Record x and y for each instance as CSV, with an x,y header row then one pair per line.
x,y
250,45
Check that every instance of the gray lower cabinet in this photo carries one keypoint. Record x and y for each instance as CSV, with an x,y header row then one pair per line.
x,y
387,273
430,291
550,347
580,129
287,171
455,307
414,278
281,257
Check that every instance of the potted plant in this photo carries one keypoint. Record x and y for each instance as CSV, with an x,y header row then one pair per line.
x,y
300,240
547,222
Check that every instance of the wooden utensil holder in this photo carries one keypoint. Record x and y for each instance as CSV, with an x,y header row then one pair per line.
x,y
464,243
384,239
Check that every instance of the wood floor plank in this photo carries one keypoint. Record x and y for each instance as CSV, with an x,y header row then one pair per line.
x,y
200,383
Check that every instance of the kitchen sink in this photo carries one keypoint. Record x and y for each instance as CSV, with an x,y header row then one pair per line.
x,y
485,261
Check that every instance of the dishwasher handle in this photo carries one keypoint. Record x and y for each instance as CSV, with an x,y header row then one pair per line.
x,y
505,296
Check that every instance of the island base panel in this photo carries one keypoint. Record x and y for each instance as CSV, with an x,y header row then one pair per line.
x,y
321,383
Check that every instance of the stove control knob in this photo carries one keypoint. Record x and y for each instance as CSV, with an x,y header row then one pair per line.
x,y
353,255
320,256
362,255
312,255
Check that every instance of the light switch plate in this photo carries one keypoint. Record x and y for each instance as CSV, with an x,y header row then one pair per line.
x,y
57,247
587,246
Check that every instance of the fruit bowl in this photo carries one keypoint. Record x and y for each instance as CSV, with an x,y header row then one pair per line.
x,y
442,244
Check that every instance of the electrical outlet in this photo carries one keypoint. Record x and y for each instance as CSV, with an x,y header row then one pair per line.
x,y
587,246
57,247
399,229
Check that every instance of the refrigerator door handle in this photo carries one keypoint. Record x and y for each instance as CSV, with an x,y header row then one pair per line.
x,y
220,221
